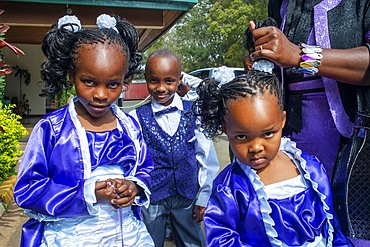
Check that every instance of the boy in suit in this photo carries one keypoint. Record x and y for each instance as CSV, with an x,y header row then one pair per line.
x,y
185,161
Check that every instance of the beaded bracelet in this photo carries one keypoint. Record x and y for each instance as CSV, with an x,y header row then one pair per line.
x,y
310,59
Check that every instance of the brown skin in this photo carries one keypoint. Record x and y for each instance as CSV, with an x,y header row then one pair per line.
x,y
98,80
349,66
247,63
254,126
163,76
182,90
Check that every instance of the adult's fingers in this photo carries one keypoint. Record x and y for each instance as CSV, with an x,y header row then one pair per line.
x,y
252,26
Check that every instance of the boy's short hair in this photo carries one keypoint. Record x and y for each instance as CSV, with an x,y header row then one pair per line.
x,y
163,52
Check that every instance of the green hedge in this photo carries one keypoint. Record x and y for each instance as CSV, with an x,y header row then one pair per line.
x,y
11,131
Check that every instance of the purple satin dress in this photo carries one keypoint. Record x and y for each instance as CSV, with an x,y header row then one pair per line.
x,y
239,212
58,161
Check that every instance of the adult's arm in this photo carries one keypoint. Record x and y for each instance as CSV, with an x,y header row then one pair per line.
x,y
350,66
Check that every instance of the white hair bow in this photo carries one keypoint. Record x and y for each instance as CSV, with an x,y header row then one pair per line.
x,y
106,21
224,75
75,24
263,65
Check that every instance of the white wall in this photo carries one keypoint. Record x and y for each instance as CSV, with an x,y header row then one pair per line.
x,y
32,62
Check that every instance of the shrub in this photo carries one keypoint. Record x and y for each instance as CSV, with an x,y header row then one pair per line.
x,y
11,131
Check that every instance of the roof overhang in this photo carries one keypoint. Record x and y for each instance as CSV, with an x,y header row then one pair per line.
x,y
30,20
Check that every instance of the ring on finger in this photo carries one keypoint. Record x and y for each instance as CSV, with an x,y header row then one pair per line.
x,y
261,47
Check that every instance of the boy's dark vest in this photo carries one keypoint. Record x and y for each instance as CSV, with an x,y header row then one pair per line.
x,y
175,165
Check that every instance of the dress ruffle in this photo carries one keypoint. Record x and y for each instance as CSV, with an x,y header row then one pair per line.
x,y
289,147
264,205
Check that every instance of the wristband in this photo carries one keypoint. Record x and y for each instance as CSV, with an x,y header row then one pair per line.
x,y
310,59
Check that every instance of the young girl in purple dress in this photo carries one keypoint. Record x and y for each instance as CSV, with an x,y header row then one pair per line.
x,y
272,194
86,167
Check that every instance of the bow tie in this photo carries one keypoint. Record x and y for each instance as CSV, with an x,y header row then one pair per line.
x,y
165,111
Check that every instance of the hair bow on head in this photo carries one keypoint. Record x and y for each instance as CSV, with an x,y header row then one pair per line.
x,y
72,20
106,21
224,75
263,65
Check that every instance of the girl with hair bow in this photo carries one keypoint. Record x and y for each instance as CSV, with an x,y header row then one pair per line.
x,y
272,193
85,171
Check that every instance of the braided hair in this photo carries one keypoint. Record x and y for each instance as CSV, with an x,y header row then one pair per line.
x,y
212,104
61,46
249,42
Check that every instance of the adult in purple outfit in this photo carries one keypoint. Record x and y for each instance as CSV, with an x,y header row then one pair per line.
x,y
321,102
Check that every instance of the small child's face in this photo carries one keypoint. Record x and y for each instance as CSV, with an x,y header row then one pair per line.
x,y
254,126
99,75
163,76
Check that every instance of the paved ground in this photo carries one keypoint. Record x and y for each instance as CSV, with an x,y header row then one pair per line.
x,y
12,220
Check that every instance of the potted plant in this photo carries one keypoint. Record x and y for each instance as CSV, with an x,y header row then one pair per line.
x,y
21,102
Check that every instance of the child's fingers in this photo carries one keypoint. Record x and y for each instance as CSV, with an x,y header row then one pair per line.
x,y
118,182
198,213
123,202
127,188
100,185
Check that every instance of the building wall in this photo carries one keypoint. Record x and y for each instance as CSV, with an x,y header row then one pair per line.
x,y
32,62
136,91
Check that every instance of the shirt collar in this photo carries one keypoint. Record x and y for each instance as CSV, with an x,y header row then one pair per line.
x,y
176,102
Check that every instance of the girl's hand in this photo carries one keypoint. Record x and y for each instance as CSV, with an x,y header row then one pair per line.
x,y
275,46
103,192
198,213
126,191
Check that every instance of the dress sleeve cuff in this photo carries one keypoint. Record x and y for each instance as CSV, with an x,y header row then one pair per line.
x,y
202,199
40,217
89,194
139,200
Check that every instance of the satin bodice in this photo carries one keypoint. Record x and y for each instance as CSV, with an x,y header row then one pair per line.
x,y
112,147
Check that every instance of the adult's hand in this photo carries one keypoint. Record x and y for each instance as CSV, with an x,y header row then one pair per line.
x,y
271,43
350,66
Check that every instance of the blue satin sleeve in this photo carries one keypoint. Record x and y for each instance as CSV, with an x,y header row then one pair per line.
x,y
144,162
232,216
50,179
221,219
